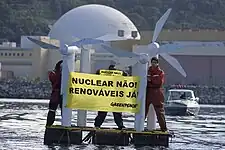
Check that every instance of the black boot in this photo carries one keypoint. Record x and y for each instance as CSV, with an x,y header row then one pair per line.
x,y
121,127
50,118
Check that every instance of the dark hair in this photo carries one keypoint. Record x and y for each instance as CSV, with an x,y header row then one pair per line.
x,y
155,59
112,67
57,66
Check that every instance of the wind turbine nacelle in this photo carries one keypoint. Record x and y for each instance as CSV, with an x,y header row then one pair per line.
x,y
66,50
153,49
153,45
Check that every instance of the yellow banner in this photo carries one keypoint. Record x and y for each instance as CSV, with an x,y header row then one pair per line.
x,y
103,93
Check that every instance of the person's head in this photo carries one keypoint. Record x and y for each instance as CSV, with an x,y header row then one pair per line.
x,y
112,67
154,62
58,66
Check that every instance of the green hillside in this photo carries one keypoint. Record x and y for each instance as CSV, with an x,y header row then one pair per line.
x,y
31,17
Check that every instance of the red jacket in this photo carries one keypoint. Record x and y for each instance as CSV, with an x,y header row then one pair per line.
x,y
55,79
154,87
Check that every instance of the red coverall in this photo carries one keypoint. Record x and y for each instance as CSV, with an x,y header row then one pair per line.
x,y
56,98
154,95
55,79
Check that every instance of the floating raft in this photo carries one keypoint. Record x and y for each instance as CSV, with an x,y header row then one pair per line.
x,y
105,136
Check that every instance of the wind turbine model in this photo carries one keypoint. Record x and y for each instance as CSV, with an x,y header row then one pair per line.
x,y
140,60
68,53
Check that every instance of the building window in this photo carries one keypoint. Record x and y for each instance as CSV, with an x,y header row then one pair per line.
x,y
18,54
14,54
30,54
1,54
22,54
9,54
5,54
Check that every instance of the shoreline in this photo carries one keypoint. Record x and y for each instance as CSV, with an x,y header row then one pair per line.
x,y
22,88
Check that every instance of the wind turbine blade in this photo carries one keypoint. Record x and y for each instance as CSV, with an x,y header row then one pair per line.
x,y
75,39
99,40
87,41
43,44
160,23
118,52
174,63
151,53
94,41
126,62
169,47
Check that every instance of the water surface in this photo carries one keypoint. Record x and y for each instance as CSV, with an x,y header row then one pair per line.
x,y
22,126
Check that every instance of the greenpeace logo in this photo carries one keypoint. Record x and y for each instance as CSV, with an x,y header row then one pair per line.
x,y
114,104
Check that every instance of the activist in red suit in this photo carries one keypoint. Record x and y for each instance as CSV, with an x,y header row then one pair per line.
x,y
101,114
154,92
55,99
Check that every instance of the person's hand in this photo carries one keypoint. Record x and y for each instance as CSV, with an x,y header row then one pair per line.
x,y
148,78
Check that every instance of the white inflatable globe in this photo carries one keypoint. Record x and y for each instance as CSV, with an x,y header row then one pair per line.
x,y
91,21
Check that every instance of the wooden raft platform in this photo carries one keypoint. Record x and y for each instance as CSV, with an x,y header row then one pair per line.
x,y
105,136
